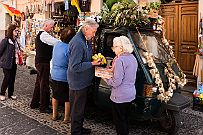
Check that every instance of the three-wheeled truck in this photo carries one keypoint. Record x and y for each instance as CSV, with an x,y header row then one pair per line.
x,y
158,93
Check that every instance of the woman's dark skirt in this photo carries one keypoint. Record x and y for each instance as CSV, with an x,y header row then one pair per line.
x,y
60,91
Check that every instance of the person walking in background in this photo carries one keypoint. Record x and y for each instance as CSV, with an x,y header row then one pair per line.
x,y
8,61
59,74
123,92
44,44
80,74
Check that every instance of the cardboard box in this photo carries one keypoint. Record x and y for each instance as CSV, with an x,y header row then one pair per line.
x,y
103,72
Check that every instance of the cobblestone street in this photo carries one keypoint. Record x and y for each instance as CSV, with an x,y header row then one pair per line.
x,y
16,118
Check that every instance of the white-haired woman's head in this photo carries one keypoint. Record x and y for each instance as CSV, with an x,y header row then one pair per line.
x,y
124,43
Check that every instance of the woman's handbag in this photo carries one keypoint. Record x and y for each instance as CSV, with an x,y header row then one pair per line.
x,y
20,55
20,58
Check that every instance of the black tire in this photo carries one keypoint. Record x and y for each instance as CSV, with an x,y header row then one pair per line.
x,y
170,121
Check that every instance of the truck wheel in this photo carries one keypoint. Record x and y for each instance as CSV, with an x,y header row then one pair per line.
x,y
170,121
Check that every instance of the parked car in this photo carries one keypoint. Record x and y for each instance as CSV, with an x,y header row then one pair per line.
x,y
146,106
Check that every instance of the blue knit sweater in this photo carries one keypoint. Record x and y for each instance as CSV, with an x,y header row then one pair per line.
x,y
60,62
80,69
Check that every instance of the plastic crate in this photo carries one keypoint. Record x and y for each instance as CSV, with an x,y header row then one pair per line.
x,y
198,104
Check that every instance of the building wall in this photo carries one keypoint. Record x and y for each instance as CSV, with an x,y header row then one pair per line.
x,y
2,20
201,8
96,5
5,20
21,5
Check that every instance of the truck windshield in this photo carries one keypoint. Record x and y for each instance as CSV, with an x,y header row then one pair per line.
x,y
150,42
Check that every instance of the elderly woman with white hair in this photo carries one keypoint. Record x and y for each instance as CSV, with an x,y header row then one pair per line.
x,y
123,92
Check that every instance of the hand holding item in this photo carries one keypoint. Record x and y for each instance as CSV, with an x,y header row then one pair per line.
x,y
104,73
100,58
96,62
105,79
109,67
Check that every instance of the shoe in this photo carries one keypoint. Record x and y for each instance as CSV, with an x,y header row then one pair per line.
x,y
34,106
2,98
86,130
46,111
13,97
65,121
59,116
33,71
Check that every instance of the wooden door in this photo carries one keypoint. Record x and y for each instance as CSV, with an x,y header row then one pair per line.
x,y
170,15
181,24
188,37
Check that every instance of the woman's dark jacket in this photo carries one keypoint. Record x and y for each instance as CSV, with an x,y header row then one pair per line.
x,y
7,53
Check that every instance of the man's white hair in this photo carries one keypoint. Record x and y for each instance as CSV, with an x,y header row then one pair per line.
x,y
90,22
49,22
123,42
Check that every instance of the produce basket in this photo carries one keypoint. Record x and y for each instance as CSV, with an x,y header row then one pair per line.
x,y
198,104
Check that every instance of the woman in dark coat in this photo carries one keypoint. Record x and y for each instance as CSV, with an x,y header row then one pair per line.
x,y
8,54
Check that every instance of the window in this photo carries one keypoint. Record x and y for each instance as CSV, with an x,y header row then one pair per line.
x,y
108,43
151,43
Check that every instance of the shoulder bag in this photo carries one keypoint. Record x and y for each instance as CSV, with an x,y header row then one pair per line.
x,y
19,54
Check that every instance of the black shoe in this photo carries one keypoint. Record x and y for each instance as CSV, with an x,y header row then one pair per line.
x,y
46,111
33,71
34,106
86,130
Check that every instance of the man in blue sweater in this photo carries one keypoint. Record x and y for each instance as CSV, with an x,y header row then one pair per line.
x,y
80,74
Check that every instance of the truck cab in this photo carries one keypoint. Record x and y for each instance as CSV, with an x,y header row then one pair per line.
x,y
149,103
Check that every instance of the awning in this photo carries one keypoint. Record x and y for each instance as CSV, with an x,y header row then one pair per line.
x,y
12,11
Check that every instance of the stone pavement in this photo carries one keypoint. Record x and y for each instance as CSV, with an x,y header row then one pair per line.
x,y
24,87
13,122
16,118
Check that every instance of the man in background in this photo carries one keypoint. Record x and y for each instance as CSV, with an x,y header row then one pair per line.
x,y
44,44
